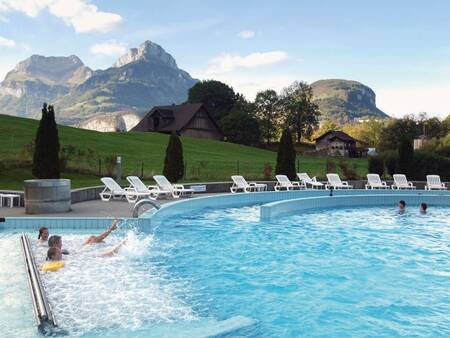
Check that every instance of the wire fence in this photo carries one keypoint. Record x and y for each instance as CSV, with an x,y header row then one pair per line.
x,y
196,170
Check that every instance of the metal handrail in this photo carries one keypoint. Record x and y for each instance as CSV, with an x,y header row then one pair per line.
x,y
142,202
42,311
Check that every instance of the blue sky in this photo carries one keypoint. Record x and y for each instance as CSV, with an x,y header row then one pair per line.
x,y
401,49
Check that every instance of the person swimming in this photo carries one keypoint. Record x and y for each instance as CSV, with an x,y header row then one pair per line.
x,y
55,241
401,207
423,208
43,236
54,260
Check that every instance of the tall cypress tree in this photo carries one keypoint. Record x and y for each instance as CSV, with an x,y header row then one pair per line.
x,y
286,156
174,162
46,152
405,161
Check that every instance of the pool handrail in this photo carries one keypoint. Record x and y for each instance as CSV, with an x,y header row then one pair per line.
x,y
42,311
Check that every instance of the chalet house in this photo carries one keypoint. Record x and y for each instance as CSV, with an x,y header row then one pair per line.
x,y
338,143
191,119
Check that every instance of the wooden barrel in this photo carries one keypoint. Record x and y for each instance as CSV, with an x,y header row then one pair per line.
x,y
47,196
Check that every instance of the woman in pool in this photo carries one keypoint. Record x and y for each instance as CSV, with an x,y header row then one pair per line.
x,y
43,236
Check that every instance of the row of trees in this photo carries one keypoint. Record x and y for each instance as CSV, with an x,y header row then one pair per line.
x,y
262,120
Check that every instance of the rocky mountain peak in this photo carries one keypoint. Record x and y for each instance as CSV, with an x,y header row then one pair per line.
x,y
64,70
147,51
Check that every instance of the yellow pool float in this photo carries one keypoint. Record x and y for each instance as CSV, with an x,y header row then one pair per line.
x,y
52,266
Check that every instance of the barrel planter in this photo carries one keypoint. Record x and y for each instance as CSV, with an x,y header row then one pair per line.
x,y
47,196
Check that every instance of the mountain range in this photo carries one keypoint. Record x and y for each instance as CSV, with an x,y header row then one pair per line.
x,y
117,97
144,77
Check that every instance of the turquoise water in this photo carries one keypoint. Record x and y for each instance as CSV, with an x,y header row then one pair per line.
x,y
343,272
334,273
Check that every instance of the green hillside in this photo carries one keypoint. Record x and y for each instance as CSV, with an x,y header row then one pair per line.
x,y
206,160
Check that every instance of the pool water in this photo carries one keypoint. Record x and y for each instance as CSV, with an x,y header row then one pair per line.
x,y
339,272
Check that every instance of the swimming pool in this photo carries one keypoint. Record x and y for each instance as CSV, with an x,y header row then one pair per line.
x,y
339,272
334,272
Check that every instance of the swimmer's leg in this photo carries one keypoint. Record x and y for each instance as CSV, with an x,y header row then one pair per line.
x,y
115,249
103,235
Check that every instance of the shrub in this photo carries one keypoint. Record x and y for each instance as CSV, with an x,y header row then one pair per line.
x,y
426,163
286,156
110,164
390,161
174,162
376,165
348,173
46,152
267,171
405,160
330,166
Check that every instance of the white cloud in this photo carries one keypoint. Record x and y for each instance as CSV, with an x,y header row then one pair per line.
x,y
109,48
227,62
401,101
4,42
80,14
250,83
246,34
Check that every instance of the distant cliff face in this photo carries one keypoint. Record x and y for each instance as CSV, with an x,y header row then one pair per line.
x,y
343,100
122,121
146,76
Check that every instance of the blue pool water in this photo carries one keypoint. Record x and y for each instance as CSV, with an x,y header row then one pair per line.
x,y
342,272
339,272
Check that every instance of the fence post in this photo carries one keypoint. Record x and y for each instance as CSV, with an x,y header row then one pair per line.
x,y
142,169
99,167
298,165
237,166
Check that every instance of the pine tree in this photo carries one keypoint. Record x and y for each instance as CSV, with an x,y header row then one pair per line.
x,y
405,161
174,162
286,156
46,153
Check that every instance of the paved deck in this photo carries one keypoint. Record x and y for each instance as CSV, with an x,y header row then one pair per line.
x,y
95,208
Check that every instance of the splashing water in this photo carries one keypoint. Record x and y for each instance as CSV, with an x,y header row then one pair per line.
x,y
125,291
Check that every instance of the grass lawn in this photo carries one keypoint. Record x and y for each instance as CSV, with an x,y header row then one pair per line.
x,y
206,160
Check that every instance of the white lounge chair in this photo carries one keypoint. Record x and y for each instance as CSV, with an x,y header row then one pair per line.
x,y
305,179
334,181
138,190
374,182
176,190
112,190
285,183
434,182
400,182
240,183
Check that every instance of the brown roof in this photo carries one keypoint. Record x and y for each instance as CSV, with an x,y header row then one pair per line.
x,y
180,114
333,134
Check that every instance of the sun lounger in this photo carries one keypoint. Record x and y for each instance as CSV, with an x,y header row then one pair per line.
x,y
400,182
176,190
284,183
374,182
334,181
434,182
305,179
240,183
138,190
112,190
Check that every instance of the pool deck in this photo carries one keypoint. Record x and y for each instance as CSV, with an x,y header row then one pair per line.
x,y
94,208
